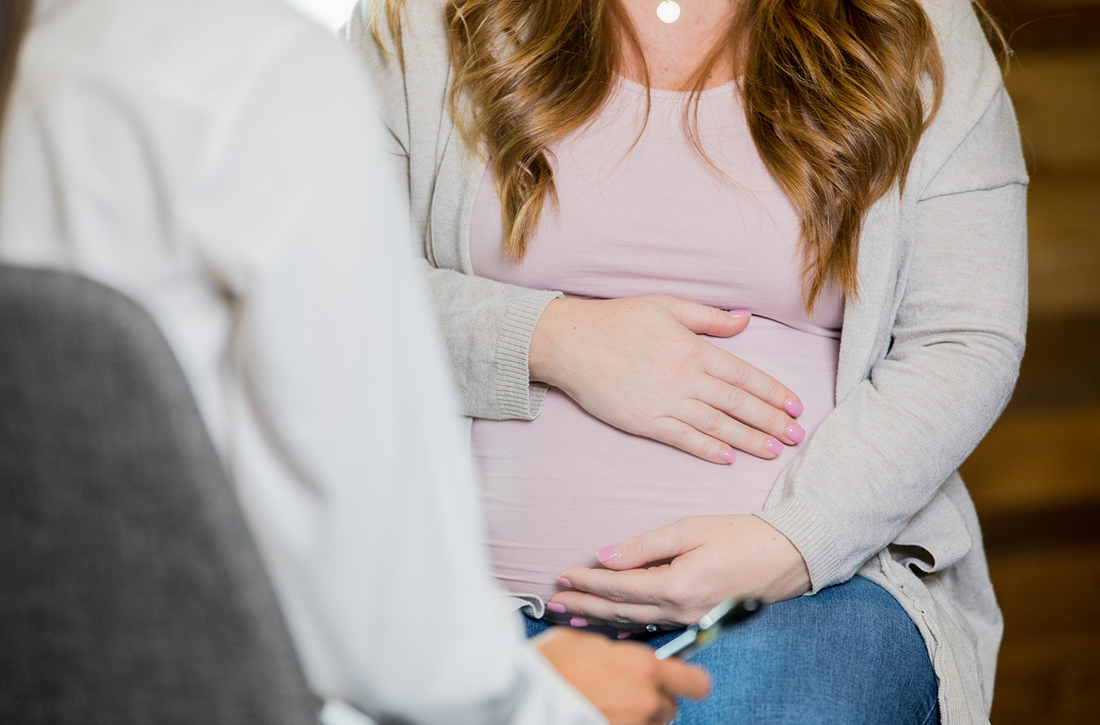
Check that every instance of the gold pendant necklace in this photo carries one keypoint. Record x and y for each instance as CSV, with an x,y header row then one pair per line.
x,y
668,11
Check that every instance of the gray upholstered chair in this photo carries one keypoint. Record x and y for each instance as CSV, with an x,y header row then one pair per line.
x,y
130,590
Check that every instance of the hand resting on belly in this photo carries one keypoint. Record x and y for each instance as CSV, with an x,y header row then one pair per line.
x,y
709,559
639,364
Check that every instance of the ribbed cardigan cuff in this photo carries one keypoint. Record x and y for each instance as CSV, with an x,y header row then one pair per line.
x,y
517,396
808,532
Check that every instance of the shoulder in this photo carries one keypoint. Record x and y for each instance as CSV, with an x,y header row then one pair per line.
x,y
221,45
417,21
194,54
418,43
409,65
186,86
971,72
975,118
962,38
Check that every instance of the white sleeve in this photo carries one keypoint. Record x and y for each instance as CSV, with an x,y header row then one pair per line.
x,y
346,445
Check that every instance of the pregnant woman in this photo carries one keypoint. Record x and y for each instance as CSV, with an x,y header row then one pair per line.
x,y
595,187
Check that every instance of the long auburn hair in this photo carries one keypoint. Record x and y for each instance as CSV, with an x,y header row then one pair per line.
x,y
15,18
836,93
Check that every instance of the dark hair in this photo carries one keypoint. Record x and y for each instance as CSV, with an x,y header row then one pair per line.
x,y
15,17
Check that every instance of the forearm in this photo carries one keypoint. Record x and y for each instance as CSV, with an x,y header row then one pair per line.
x,y
487,327
880,457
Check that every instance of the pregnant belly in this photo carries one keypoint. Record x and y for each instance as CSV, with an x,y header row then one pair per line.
x,y
559,487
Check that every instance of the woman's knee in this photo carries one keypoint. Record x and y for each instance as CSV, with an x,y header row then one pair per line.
x,y
849,654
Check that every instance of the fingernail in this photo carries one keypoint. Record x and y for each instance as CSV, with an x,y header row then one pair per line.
x,y
774,446
555,607
623,635
793,407
740,313
609,553
795,432
727,455
565,582
578,622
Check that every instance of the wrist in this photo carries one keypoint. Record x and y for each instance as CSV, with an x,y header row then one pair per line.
x,y
794,580
790,577
545,350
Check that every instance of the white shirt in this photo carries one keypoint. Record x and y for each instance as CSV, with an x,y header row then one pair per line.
x,y
216,161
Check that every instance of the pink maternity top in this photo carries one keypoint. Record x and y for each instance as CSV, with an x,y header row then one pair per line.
x,y
638,215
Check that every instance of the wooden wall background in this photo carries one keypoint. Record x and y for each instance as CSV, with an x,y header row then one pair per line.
x,y
1036,477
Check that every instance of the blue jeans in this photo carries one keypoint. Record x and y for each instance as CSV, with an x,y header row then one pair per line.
x,y
845,656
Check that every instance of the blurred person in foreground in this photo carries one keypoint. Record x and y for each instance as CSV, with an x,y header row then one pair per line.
x,y
208,159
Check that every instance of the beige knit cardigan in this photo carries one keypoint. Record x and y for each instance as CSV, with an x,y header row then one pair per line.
x,y
929,351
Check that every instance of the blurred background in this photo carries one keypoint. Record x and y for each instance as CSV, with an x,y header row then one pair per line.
x,y
1036,477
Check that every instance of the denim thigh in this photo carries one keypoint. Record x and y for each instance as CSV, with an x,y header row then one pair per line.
x,y
848,655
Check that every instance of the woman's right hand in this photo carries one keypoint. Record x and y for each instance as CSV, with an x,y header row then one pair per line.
x,y
639,364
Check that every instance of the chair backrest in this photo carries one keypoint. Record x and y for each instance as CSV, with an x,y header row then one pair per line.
x,y
130,589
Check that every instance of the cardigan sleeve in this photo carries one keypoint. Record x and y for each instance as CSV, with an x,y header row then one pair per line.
x,y
487,325
956,340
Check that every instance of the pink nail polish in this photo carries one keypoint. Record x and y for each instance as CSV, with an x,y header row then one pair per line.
x,y
727,455
795,432
565,582
793,407
740,313
609,553
623,635
774,446
555,607
578,622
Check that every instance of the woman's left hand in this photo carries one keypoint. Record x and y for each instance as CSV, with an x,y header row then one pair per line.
x,y
705,560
